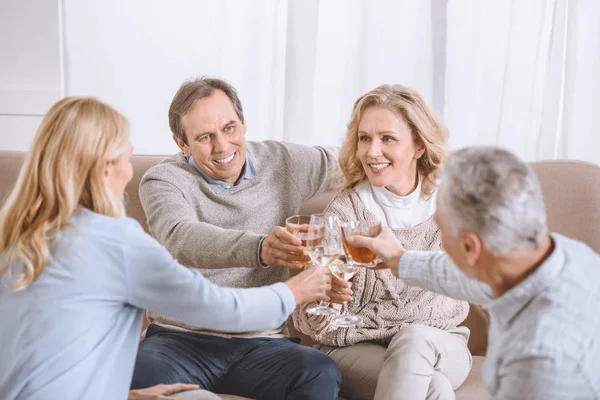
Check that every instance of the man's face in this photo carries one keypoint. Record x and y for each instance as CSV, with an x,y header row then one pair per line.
x,y
215,137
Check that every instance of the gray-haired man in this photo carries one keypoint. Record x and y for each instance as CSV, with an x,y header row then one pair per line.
x,y
542,290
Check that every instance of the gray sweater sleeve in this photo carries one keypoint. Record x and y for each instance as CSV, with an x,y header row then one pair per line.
x,y
312,167
173,221
434,271
157,282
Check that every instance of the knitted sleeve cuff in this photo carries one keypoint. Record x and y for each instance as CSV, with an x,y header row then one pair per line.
x,y
260,242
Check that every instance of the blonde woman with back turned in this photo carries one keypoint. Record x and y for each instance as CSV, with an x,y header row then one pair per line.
x,y
75,273
410,345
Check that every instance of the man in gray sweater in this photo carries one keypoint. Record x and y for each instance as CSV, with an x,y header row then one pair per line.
x,y
220,205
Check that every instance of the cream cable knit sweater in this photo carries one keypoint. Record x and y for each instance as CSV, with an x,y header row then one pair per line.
x,y
386,303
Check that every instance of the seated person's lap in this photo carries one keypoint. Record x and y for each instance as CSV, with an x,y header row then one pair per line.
x,y
257,368
361,364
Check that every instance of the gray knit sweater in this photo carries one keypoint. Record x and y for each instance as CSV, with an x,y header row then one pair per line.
x,y
220,233
386,303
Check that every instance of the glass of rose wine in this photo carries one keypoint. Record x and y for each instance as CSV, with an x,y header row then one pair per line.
x,y
298,226
360,256
324,251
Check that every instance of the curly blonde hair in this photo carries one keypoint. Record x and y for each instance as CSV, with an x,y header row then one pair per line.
x,y
427,130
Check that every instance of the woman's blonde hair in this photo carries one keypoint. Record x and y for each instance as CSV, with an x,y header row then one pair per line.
x,y
63,170
426,128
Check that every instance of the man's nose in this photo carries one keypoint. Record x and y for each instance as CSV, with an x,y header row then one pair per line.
x,y
219,143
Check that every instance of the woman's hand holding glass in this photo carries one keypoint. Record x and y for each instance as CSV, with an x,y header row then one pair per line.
x,y
310,285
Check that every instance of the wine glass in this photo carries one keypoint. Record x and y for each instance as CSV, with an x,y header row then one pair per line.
x,y
324,245
345,271
357,255
298,225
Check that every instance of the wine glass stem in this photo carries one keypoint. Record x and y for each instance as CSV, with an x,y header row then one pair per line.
x,y
322,303
345,309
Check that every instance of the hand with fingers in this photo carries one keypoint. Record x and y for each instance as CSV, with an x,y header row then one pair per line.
x,y
281,248
341,292
160,392
385,245
311,285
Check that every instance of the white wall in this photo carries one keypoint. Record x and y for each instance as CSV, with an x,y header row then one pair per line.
x,y
30,78
522,75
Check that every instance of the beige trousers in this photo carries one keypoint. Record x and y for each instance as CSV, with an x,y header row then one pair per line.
x,y
420,362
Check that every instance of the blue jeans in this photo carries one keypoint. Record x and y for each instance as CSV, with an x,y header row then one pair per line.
x,y
260,368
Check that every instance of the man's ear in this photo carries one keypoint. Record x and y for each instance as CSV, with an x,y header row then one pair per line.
x,y
470,245
181,144
244,127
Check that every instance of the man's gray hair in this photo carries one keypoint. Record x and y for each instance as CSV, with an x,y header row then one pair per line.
x,y
491,192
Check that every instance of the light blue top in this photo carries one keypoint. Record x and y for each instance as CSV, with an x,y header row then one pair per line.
x,y
544,333
74,332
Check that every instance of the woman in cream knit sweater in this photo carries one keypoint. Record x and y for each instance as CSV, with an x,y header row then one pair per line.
x,y
410,345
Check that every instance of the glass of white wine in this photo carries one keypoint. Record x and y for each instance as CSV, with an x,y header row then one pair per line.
x,y
345,271
324,246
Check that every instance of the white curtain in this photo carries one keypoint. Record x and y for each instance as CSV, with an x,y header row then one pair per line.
x,y
525,75
522,74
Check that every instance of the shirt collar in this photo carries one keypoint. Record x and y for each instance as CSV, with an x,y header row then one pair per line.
x,y
219,186
506,307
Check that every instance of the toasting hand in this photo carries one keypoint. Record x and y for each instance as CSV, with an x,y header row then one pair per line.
x,y
311,285
341,291
385,245
282,248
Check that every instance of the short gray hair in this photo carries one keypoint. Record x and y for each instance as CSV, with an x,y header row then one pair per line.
x,y
491,192
196,89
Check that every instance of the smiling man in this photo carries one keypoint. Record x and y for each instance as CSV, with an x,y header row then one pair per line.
x,y
220,205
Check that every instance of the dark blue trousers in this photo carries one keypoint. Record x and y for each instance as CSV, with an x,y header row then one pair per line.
x,y
259,368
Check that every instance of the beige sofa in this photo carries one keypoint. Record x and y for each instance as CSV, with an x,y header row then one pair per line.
x,y
572,194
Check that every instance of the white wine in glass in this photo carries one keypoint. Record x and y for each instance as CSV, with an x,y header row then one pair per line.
x,y
345,271
325,251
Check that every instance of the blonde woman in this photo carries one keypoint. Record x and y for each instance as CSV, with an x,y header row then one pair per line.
x,y
410,345
75,273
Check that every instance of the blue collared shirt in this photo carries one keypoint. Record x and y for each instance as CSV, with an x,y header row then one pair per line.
x,y
542,339
219,186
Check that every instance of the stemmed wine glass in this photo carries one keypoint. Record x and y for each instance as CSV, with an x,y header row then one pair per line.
x,y
345,271
324,246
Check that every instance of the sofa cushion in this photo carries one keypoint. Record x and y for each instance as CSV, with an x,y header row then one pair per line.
x,y
572,196
473,388
132,200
